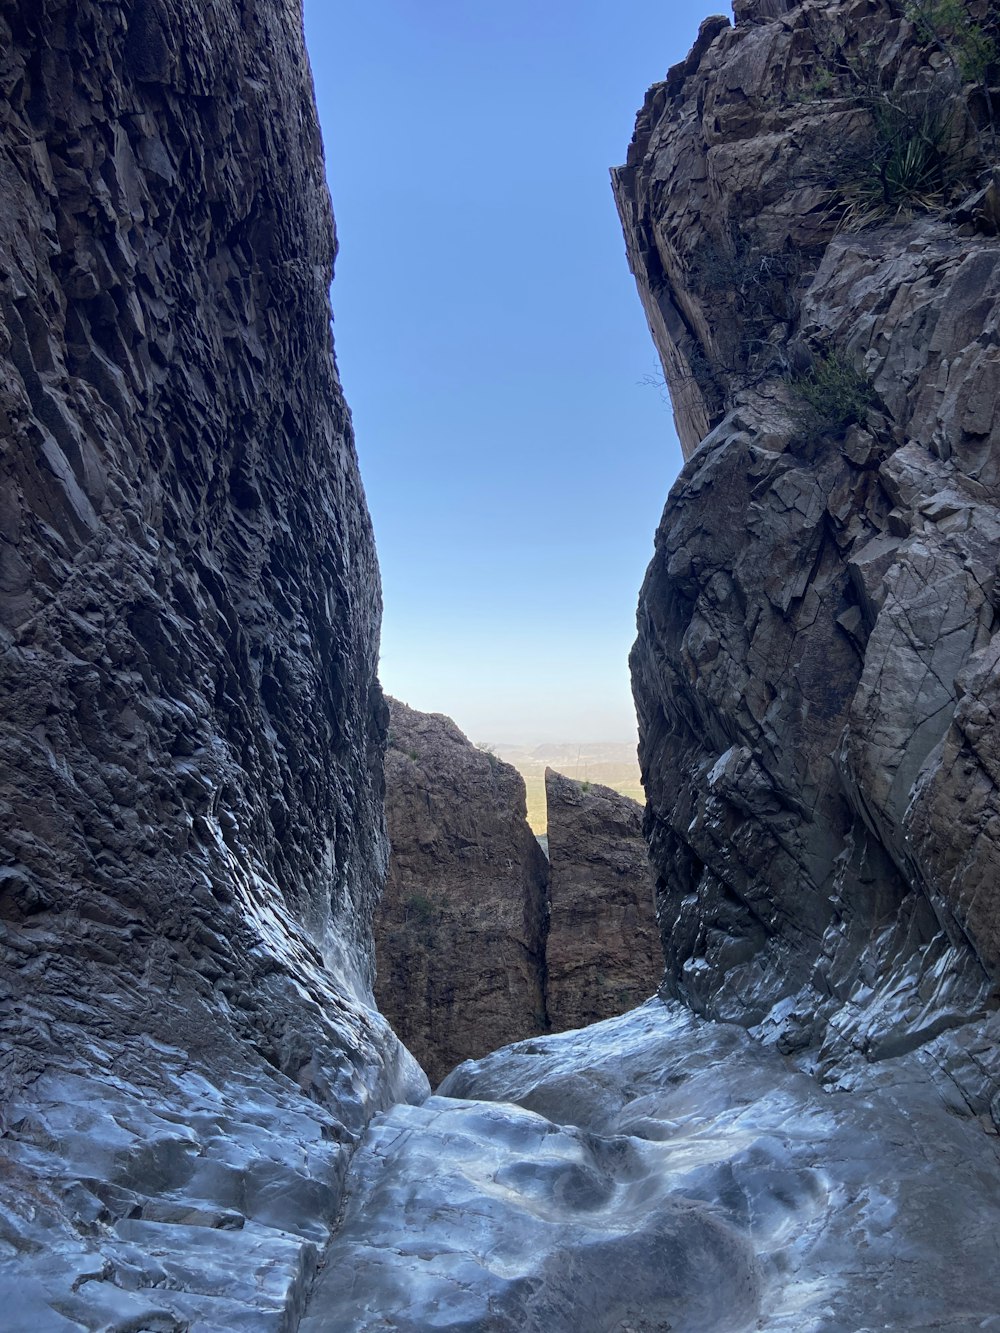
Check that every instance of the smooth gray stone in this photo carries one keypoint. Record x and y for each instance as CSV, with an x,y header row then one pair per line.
x,y
659,1171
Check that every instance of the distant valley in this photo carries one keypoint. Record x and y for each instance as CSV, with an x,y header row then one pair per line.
x,y
613,764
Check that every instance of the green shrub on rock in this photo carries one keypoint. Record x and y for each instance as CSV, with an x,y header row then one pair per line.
x,y
833,394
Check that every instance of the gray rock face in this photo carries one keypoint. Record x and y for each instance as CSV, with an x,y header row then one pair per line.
x,y
460,930
816,667
191,837
602,952
661,1171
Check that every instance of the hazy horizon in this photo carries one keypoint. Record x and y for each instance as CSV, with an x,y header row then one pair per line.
x,y
493,348
526,739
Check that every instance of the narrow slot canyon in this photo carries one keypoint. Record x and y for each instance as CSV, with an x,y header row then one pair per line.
x,y
303,1031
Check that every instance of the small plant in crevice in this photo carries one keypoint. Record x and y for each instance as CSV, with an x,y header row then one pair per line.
x,y
420,914
973,51
910,160
704,375
758,285
420,904
655,379
485,748
832,394
818,83
749,296
946,24
924,136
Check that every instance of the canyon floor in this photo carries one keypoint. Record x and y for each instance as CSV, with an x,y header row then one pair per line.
x,y
662,1172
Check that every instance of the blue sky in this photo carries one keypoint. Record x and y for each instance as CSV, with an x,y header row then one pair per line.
x,y
492,345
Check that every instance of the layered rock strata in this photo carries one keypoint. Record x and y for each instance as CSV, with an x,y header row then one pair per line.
x,y
602,953
460,931
191,837
817,669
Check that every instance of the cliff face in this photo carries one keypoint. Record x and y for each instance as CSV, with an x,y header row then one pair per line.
x,y
480,939
192,840
816,669
460,932
602,954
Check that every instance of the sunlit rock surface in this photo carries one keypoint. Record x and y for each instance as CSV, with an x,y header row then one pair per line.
x,y
460,929
816,664
480,939
602,951
660,1171
191,732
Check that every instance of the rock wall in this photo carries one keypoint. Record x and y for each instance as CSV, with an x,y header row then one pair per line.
x,y
460,931
816,668
602,953
480,939
191,838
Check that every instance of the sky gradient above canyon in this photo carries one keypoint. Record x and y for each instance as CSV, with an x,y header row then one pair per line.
x,y
493,348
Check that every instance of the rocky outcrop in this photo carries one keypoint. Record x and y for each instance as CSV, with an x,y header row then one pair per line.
x,y
191,742
480,940
192,840
602,954
816,669
659,1171
460,932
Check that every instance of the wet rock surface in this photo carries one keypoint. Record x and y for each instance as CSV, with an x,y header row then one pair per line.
x,y
816,662
602,951
662,1171
460,931
191,829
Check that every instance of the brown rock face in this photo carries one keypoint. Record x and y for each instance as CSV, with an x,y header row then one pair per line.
x,y
602,955
460,931
479,940
191,837
817,663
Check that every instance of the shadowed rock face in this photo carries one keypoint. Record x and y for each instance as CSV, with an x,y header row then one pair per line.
x,y
816,669
191,838
602,953
192,844
460,931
